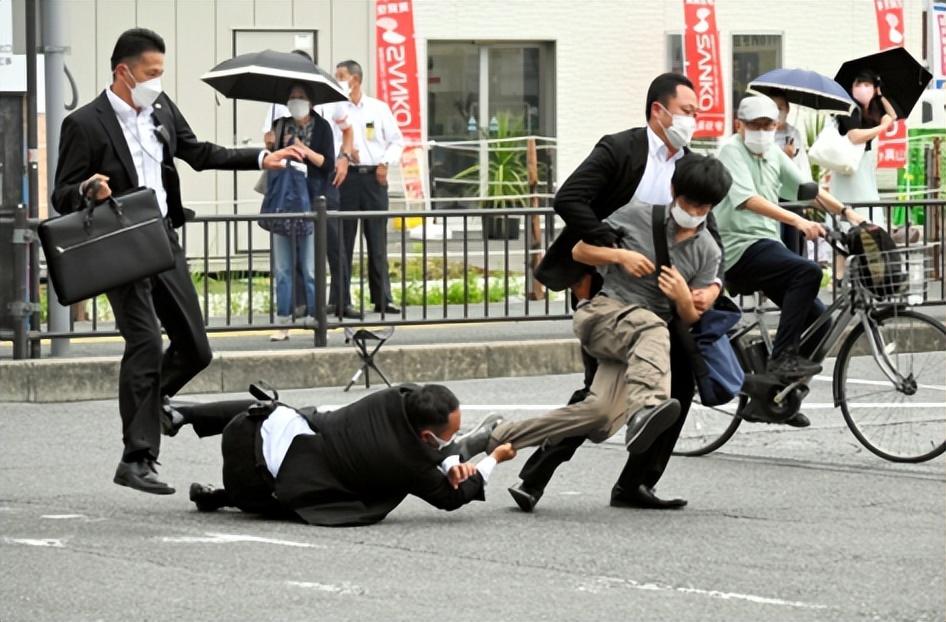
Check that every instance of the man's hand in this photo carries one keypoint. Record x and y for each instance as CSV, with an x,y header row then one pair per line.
x,y
673,285
634,263
503,453
790,149
705,297
269,139
811,230
459,473
341,171
103,191
274,160
382,174
582,289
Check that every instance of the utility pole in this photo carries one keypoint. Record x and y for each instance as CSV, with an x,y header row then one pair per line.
x,y
54,46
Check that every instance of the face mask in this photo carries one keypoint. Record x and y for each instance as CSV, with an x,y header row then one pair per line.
x,y
144,93
759,141
346,87
440,442
298,108
685,220
863,94
681,129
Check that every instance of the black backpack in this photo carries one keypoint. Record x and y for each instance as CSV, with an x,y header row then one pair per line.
x,y
875,261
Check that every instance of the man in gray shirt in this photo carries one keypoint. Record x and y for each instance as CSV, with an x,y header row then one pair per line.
x,y
625,326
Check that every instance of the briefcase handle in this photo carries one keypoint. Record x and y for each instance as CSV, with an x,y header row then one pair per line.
x,y
91,205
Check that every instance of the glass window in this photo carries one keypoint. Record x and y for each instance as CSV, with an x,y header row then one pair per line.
x,y
675,53
485,90
752,55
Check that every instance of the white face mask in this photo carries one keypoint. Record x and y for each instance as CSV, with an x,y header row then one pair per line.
x,y
681,129
144,93
298,108
346,87
685,220
759,141
442,443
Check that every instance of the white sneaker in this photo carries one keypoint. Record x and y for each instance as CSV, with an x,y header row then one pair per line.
x,y
280,335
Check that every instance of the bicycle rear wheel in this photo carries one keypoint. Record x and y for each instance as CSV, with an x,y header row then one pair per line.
x,y
707,428
900,424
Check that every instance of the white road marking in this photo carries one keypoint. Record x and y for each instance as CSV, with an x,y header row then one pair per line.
x,y
55,543
345,588
62,516
879,383
228,538
610,582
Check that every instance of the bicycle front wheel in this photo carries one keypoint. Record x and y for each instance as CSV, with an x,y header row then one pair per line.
x,y
905,423
707,428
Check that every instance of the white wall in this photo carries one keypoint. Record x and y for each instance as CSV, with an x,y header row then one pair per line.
x,y
607,51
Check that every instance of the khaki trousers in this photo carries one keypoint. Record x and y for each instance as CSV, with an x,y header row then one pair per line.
x,y
632,346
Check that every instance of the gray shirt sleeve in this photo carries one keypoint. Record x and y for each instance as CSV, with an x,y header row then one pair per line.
x,y
710,257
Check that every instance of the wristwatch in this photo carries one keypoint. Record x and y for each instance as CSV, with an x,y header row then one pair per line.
x,y
345,155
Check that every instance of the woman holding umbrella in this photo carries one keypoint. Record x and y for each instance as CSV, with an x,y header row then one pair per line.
x,y
294,241
873,115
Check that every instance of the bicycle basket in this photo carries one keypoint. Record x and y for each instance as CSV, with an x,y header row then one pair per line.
x,y
875,262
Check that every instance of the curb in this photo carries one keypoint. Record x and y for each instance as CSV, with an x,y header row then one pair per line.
x,y
96,378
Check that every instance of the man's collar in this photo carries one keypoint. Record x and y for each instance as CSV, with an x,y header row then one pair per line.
x,y
121,107
658,148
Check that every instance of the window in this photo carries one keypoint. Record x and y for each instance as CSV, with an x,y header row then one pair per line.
x,y
485,90
752,55
675,53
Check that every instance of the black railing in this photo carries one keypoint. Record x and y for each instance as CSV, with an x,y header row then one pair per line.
x,y
451,267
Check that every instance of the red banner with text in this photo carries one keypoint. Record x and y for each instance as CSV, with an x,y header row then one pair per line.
x,y
704,66
892,144
398,85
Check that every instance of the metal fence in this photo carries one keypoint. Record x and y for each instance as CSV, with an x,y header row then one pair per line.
x,y
448,266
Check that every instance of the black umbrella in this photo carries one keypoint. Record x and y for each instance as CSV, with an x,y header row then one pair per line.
x,y
902,78
269,76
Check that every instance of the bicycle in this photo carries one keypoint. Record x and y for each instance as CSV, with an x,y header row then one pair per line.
x,y
885,345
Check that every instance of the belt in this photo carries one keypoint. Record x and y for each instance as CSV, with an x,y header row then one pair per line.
x,y
364,169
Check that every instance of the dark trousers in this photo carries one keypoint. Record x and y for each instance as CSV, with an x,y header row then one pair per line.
x,y
790,281
645,468
147,374
362,192
339,263
211,418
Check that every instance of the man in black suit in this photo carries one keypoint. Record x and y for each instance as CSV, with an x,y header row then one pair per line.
x,y
352,466
125,138
633,164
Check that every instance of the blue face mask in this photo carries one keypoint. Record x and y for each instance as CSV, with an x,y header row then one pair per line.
x,y
684,219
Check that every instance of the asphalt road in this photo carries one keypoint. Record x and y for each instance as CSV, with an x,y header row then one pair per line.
x,y
783,524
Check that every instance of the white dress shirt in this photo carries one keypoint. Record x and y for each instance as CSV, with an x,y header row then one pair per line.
x,y
484,466
381,144
654,187
146,149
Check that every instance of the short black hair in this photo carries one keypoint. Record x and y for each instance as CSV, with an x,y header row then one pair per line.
x,y
701,179
353,68
302,53
663,88
430,406
135,42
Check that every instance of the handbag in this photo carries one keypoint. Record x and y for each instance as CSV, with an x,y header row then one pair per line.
x,y
104,246
716,368
287,193
262,183
833,151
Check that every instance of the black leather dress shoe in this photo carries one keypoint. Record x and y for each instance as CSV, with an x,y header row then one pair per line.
x,y
647,424
205,497
798,420
476,441
643,497
526,498
388,309
172,420
141,475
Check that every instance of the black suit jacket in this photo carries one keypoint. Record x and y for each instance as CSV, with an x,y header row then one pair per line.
x,y
362,463
91,141
604,182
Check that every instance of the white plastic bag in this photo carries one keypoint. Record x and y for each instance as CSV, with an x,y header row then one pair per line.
x,y
835,152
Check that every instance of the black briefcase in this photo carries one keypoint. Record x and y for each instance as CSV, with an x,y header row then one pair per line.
x,y
107,245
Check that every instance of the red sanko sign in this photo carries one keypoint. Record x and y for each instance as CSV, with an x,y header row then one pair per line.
x,y
892,144
704,66
397,64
